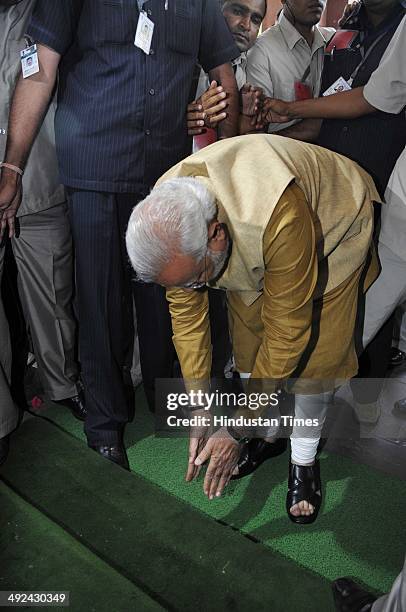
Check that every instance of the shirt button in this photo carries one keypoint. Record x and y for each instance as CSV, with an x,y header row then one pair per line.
x,y
345,129
147,132
151,52
152,92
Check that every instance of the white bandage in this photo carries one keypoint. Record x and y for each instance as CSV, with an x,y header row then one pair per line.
x,y
304,440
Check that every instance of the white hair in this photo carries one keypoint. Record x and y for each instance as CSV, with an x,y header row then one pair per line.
x,y
173,219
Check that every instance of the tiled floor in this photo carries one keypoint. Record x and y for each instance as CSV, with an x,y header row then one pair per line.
x,y
382,446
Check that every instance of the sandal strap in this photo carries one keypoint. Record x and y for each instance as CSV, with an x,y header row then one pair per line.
x,y
304,484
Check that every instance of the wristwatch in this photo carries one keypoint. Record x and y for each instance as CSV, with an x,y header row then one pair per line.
x,y
236,435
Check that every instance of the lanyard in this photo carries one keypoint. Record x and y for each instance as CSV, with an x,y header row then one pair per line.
x,y
371,48
305,75
365,56
142,2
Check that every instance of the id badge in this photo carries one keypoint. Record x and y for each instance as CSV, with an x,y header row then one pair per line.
x,y
145,30
302,91
29,61
337,87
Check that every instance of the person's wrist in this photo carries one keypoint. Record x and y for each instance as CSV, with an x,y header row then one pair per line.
x,y
192,408
293,109
236,435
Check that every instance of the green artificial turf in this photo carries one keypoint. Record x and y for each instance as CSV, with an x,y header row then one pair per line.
x,y
360,529
37,555
177,555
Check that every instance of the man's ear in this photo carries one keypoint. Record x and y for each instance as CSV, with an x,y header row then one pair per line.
x,y
219,241
212,228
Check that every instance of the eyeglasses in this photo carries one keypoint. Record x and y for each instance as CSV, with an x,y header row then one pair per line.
x,y
198,284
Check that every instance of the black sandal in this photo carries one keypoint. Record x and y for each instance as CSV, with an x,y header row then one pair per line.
x,y
255,452
304,485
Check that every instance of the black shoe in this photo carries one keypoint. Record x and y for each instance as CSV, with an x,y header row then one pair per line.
x,y
400,405
349,597
255,452
397,357
4,448
76,405
115,453
304,485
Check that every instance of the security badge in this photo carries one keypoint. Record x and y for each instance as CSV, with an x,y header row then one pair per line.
x,y
342,39
145,30
29,61
338,86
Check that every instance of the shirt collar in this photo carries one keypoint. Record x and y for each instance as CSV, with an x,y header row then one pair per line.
x,y
292,36
241,60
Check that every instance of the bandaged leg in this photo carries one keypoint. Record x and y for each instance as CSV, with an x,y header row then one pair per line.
x,y
305,439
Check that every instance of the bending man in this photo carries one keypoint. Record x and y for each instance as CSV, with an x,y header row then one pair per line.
x,y
299,220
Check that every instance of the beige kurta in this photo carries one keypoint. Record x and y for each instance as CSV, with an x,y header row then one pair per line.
x,y
297,256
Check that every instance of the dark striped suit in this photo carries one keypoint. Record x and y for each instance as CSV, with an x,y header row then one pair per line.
x,y
120,124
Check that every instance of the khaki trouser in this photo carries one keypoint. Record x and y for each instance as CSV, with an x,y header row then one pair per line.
x,y
44,258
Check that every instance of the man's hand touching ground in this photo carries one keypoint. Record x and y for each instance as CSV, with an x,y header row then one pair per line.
x,y
197,441
222,452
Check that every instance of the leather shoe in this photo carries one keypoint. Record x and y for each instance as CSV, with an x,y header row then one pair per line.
x,y
400,405
76,405
4,448
256,451
367,413
349,597
397,357
115,453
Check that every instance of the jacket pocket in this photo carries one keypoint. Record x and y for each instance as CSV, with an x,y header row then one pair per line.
x,y
183,29
115,23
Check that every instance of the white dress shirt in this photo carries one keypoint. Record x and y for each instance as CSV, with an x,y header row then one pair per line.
x,y
240,71
281,56
386,90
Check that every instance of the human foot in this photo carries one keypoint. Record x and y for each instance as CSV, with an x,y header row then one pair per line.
x,y
304,493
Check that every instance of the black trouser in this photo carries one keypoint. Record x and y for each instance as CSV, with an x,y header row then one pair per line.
x,y
104,308
157,353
